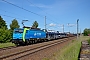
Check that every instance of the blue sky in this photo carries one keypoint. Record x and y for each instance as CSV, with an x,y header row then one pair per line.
x,y
57,12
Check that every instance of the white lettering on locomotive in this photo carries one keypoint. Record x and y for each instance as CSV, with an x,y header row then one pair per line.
x,y
37,34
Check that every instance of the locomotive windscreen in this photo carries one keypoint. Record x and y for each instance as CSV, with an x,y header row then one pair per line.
x,y
18,31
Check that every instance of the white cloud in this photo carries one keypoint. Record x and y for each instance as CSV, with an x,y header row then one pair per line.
x,y
60,25
40,6
52,24
71,25
60,7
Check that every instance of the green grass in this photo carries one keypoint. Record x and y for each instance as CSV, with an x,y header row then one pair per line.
x,y
6,44
89,41
70,51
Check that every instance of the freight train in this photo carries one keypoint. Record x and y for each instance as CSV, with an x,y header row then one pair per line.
x,y
28,36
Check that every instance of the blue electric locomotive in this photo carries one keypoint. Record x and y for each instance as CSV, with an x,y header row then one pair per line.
x,y
27,36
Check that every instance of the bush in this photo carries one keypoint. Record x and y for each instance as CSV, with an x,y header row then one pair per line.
x,y
5,35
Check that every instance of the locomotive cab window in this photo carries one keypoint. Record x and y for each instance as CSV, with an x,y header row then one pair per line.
x,y
18,31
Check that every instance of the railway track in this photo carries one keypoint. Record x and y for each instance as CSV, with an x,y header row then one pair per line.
x,y
5,48
29,51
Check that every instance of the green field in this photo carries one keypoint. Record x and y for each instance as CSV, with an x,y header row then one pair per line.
x,y
6,44
70,51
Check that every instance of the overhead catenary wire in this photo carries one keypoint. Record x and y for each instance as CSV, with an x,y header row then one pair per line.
x,y
36,6
33,4
15,14
46,18
42,10
22,8
11,13
27,10
10,16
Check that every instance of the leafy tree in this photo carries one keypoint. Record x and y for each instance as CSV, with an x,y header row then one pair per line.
x,y
35,24
5,35
14,24
2,23
86,32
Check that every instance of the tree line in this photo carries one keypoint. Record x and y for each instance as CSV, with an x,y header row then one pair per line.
x,y
86,32
5,33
